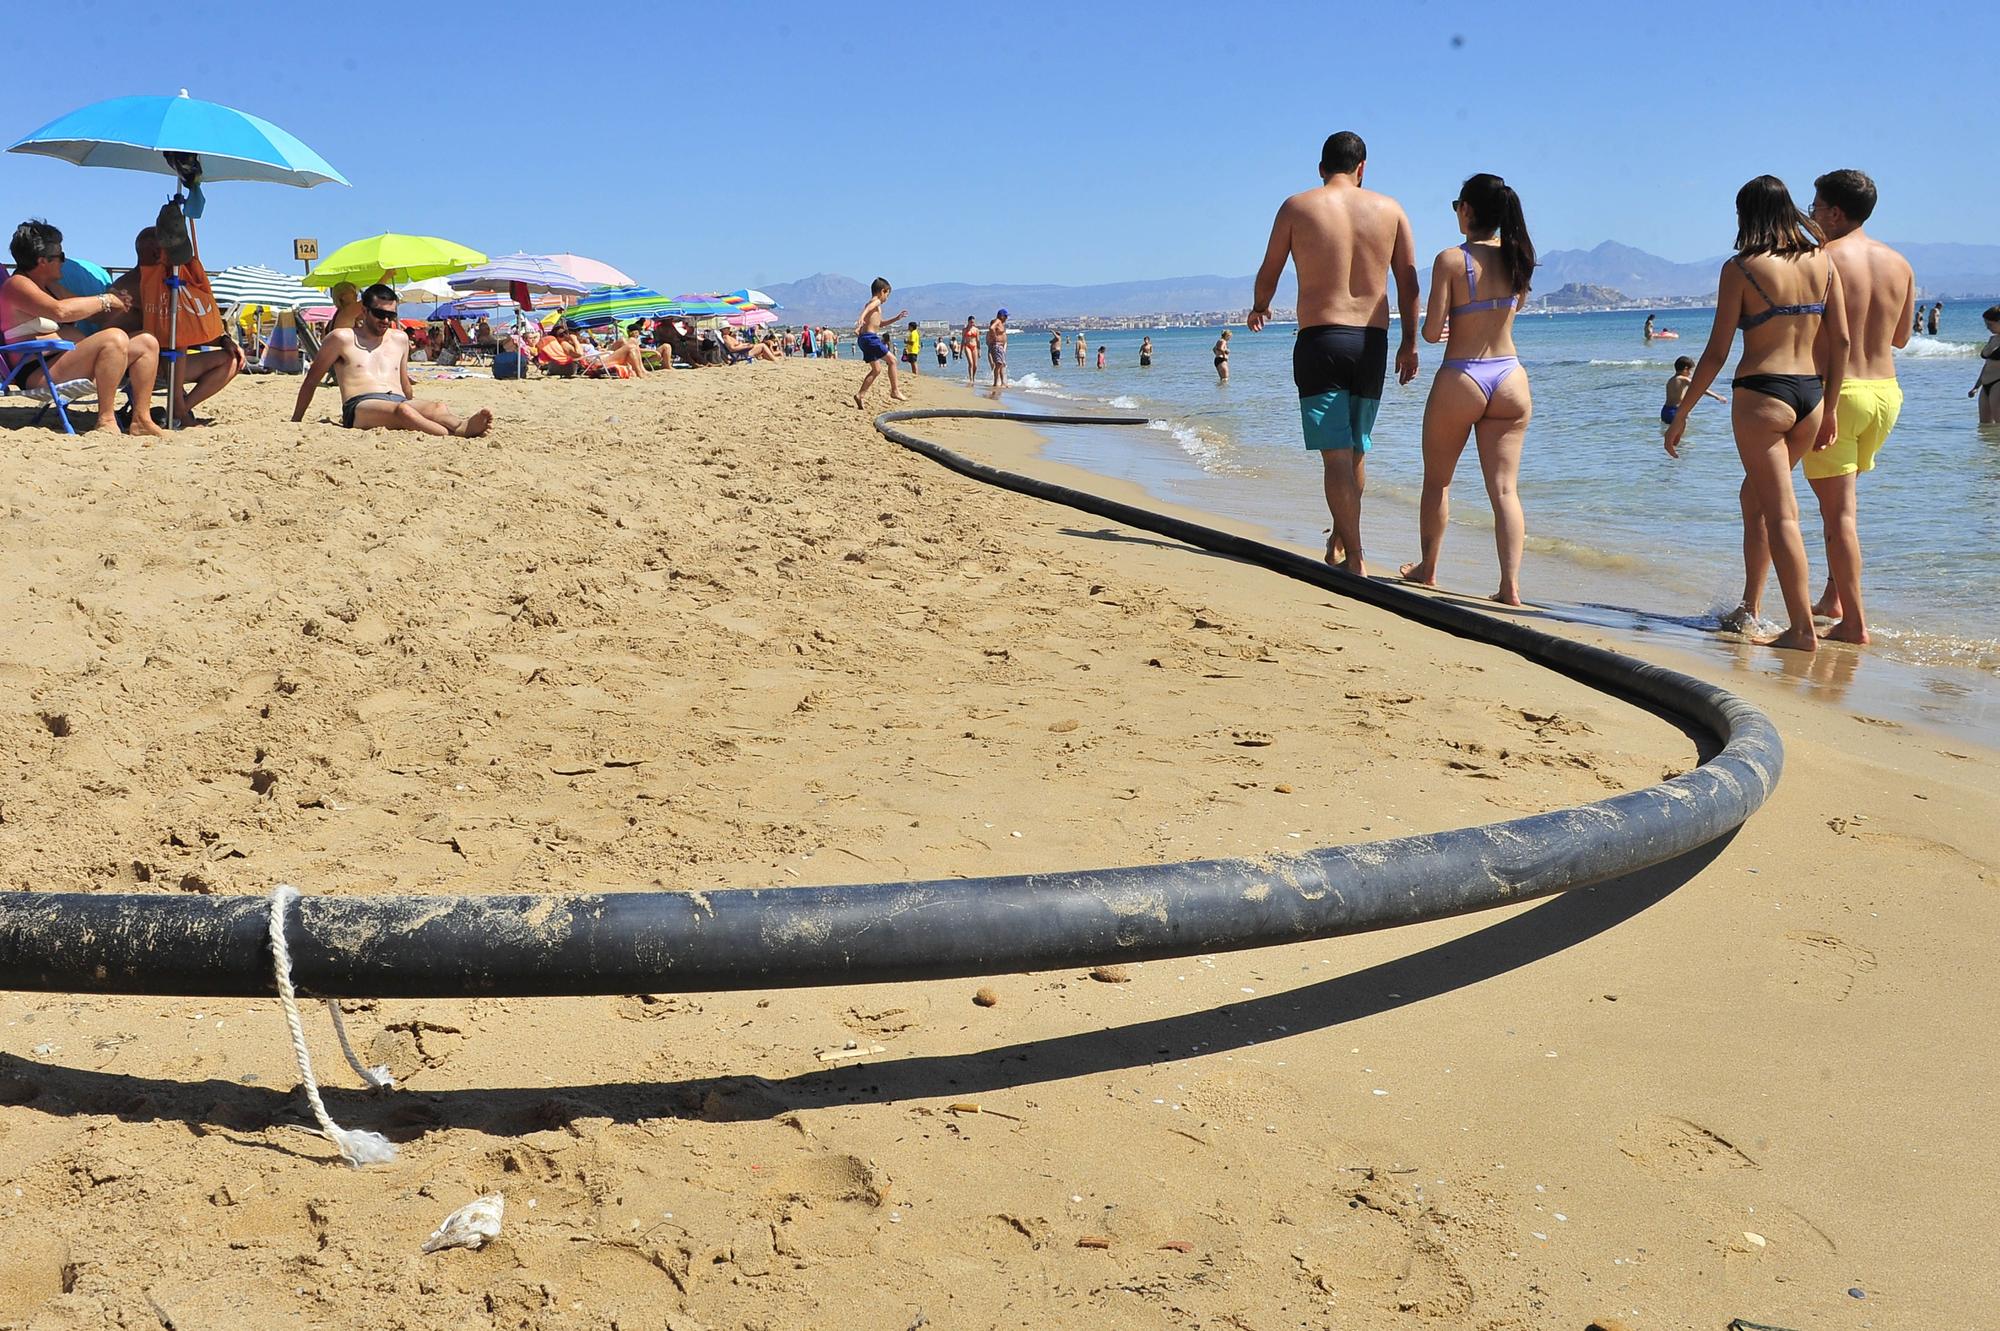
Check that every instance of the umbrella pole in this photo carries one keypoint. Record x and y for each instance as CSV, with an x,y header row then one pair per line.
x,y
171,352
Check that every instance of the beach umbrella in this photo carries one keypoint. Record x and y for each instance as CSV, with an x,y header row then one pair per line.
x,y
619,305
516,270
746,296
488,303
590,272
136,133
429,291
254,284
751,317
410,258
702,305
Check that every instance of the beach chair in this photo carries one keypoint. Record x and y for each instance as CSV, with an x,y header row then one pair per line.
x,y
18,357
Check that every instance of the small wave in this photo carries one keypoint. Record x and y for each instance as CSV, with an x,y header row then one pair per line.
x,y
1033,383
1936,347
1191,440
1124,402
1616,362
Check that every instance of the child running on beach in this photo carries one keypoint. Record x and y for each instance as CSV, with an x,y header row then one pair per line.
x,y
874,348
1677,388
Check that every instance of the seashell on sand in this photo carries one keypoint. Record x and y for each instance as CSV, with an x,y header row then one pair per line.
x,y
470,1225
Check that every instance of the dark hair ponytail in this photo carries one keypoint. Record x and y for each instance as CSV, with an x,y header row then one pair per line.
x,y
1496,207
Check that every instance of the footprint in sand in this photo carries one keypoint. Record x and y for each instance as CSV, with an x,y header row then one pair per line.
x,y
1820,967
1377,1241
1677,1148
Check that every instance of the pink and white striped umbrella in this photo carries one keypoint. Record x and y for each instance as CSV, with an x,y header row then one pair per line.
x,y
752,318
590,272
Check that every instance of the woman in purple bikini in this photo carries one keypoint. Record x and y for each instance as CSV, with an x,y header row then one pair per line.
x,y
1481,389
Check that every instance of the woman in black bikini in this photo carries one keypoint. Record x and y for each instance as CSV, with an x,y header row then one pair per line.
x,y
1221,350
1782,291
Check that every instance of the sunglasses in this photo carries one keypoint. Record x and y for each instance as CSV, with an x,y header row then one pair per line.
x,y
57,257
384,315
1458,203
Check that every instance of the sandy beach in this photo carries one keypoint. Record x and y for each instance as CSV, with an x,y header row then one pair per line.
x,y
711,631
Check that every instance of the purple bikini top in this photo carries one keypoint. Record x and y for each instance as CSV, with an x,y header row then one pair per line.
x,y
1472,285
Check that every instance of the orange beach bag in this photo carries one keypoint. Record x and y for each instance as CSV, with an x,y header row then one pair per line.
x,y
200,322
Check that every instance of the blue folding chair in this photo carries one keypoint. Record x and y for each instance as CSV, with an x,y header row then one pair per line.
x,y
17,357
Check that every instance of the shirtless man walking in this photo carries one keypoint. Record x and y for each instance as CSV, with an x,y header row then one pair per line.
x,y
371,363
1881,296
996,348
1345,242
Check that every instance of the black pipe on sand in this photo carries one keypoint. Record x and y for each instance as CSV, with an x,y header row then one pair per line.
x,y
655,942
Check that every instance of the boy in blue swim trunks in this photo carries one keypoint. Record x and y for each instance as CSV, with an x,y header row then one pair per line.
x,y
1677,388
874,347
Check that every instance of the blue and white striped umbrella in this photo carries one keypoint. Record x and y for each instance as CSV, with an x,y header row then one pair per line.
x,y
254,284
535,271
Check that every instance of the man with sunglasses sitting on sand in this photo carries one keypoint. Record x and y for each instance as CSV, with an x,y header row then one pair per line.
x,y
371,363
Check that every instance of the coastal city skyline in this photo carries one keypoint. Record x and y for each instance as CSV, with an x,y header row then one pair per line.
x,y
1010,150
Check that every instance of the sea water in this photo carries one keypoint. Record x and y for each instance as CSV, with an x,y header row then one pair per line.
x,y
1618,532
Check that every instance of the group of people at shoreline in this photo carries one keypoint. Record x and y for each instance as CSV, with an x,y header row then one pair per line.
x,y
1821,305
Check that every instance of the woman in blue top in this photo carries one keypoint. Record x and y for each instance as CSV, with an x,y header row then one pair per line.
x,y
1783,293
1481,389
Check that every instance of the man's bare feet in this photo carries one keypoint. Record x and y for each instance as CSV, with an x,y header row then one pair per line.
x,y
1827,607
1842,631
478,423
1793,640
1336,554
1354,564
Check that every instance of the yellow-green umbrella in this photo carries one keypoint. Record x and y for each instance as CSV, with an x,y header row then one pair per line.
x,y
408,258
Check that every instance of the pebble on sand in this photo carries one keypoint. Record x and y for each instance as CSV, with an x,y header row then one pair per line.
x,y
985,997
1110,975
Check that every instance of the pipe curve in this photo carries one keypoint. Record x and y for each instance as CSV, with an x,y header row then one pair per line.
x,y
652,942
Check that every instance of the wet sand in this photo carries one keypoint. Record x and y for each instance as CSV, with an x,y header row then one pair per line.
x,y
710,631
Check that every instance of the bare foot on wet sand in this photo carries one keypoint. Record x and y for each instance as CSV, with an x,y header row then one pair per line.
x,y
1336,554
1417,573
1794,640
1843,631
1827,607
1353,564
478,423
1739,619
1507,597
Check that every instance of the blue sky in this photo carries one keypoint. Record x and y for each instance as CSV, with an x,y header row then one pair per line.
x,y
710,145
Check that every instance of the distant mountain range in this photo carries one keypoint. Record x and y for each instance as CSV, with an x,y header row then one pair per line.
x,y
1943,271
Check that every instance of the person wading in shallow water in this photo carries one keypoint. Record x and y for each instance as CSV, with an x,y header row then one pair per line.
x,y
1345,241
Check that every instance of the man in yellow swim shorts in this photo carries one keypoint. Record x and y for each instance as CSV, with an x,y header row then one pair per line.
x,y
1881,296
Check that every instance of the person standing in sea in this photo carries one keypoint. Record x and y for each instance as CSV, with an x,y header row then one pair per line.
x,y
1345,242
1481,389
1785,294
968,338
996,348
1055,350
1937,313
1220,352
1879,286
1145,353
1082,343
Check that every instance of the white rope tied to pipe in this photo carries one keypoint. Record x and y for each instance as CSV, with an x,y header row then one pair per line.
x,y
357,1147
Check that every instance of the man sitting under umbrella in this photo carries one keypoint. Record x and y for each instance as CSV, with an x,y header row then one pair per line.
x,y
205,371
371,362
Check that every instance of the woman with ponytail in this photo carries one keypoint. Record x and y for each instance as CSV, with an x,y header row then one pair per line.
x,y
1481,389
1784,294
